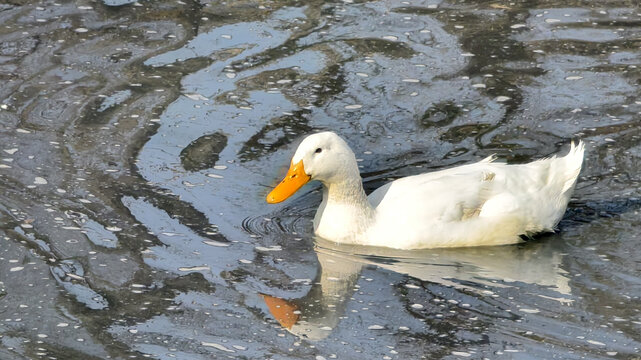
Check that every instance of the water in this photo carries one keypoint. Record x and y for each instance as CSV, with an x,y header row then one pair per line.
x,y
139,140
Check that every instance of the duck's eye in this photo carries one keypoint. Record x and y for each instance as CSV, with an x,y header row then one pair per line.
x,y
318,151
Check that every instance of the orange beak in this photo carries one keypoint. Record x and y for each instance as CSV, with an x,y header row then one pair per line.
x,y
294,180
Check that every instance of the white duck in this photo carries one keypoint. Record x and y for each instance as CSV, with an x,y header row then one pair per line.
x,y
485,203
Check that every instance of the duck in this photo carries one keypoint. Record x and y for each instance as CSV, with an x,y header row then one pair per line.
x,y
485,203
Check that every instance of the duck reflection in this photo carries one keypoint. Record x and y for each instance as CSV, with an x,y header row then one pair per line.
x,y
317,313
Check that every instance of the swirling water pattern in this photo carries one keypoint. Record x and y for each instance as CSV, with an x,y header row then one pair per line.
x,y
139,141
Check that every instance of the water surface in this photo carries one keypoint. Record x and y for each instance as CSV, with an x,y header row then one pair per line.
x,y
139,140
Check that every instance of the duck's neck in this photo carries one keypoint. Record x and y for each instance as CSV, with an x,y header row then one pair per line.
x,y
345,212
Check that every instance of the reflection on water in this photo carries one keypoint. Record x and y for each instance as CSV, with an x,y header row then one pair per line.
x,y
478,270
537,262
138,141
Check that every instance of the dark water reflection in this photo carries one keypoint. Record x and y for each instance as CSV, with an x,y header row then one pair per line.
x,y
138,141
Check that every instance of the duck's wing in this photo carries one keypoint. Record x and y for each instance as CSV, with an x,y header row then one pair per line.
x,y
448,195
443,209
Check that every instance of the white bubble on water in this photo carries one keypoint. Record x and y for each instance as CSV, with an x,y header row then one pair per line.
x,y
216,346
461,353
193,268
530,311
594,342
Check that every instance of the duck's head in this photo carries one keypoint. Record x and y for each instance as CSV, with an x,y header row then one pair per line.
x,y
324,157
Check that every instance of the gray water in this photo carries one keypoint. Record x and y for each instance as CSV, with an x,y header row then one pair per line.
x,y
139,139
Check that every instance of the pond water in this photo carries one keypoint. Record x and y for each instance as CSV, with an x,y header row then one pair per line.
x,y
139,140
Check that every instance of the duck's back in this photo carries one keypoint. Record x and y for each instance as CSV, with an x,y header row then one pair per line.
x,y
484,203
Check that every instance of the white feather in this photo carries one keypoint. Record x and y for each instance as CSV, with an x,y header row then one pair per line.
x,y
485,203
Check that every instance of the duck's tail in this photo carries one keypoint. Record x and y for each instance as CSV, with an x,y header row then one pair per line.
x,y
568,167
543,204
563,173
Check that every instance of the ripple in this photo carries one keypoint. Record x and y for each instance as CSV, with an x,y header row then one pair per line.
x,y
289,222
